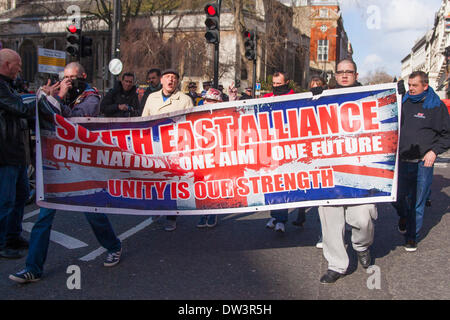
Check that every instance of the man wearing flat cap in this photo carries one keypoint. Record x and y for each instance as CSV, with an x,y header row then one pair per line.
x,y
169,98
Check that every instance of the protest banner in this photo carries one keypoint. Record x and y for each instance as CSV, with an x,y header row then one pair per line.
x,y
288,151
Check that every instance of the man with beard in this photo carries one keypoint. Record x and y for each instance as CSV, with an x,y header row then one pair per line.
x,y
82,101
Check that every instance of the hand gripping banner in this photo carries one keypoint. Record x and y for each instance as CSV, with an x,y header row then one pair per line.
x,y
338,148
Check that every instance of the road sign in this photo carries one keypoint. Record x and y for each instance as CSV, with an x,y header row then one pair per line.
x,y
258,86
51,61
115,66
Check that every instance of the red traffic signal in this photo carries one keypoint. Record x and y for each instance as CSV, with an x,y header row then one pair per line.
x,y
249,35
72,28
211,10
212,23
73,40
250,45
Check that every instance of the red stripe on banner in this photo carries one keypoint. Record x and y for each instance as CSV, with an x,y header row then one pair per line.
x,y
366,171
387,100
222,192
75,186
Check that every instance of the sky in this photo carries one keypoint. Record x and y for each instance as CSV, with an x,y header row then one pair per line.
x,y
382,32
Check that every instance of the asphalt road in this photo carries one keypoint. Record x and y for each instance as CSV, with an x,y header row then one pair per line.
x,y
239,259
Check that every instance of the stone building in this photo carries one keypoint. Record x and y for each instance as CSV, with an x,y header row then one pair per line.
x,y
27,25
431,52
322,21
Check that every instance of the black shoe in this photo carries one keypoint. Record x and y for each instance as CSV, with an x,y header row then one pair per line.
x,y
402,225
411,246
301,218
10,253
17,244
364,258
331,276
428,203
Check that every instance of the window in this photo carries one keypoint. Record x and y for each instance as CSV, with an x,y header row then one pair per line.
x,y
322,50
28,53
323,13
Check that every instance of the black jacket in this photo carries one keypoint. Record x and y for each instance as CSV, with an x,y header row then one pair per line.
x,y
110,103
13,122
423,130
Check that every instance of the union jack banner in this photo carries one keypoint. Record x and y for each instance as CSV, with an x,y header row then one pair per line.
x,y
337,148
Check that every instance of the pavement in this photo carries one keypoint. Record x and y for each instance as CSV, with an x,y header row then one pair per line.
x,y
240,259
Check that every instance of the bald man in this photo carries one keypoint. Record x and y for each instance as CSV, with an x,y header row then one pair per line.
x,y
14,187
77,99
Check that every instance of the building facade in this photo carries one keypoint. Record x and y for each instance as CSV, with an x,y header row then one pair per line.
x,y
329,40
431,52
26,26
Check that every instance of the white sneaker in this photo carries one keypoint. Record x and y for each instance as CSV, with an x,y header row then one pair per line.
x,y
280,227
319,245
270,224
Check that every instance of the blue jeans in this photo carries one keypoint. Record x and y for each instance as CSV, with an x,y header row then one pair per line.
x,y
414,188
280,215
40,237
14,190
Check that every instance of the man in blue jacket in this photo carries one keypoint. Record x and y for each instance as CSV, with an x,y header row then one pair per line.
x,y
424,134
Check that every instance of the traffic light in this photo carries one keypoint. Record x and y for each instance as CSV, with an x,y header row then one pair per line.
x,y
250,45
86,46
73,40
212,23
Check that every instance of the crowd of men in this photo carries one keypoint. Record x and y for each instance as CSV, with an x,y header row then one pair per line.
x,y
425,133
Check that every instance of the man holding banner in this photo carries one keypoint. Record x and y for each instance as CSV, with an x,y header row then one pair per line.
x,y
280,86
168,99
334,218
425,133
84,102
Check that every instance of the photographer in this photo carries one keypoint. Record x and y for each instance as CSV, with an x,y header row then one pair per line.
x,y
122,100
77,97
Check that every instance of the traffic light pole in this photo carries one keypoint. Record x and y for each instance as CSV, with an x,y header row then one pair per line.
x,y
254,67
216,54
216,66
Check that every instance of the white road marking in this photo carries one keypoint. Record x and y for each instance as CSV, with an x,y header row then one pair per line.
x,y
97,252
58,237
31,214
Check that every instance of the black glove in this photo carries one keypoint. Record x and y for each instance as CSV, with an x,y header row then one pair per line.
x,y
401,87
316,90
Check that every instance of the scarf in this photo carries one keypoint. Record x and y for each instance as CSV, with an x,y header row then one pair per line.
x,y
281,90
432,100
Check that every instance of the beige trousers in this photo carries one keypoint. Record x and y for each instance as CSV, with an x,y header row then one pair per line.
x,y
333,219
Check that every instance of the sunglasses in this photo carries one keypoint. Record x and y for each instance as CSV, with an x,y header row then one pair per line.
x,y
345,72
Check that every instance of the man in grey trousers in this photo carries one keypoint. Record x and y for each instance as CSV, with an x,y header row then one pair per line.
x,y
334,218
